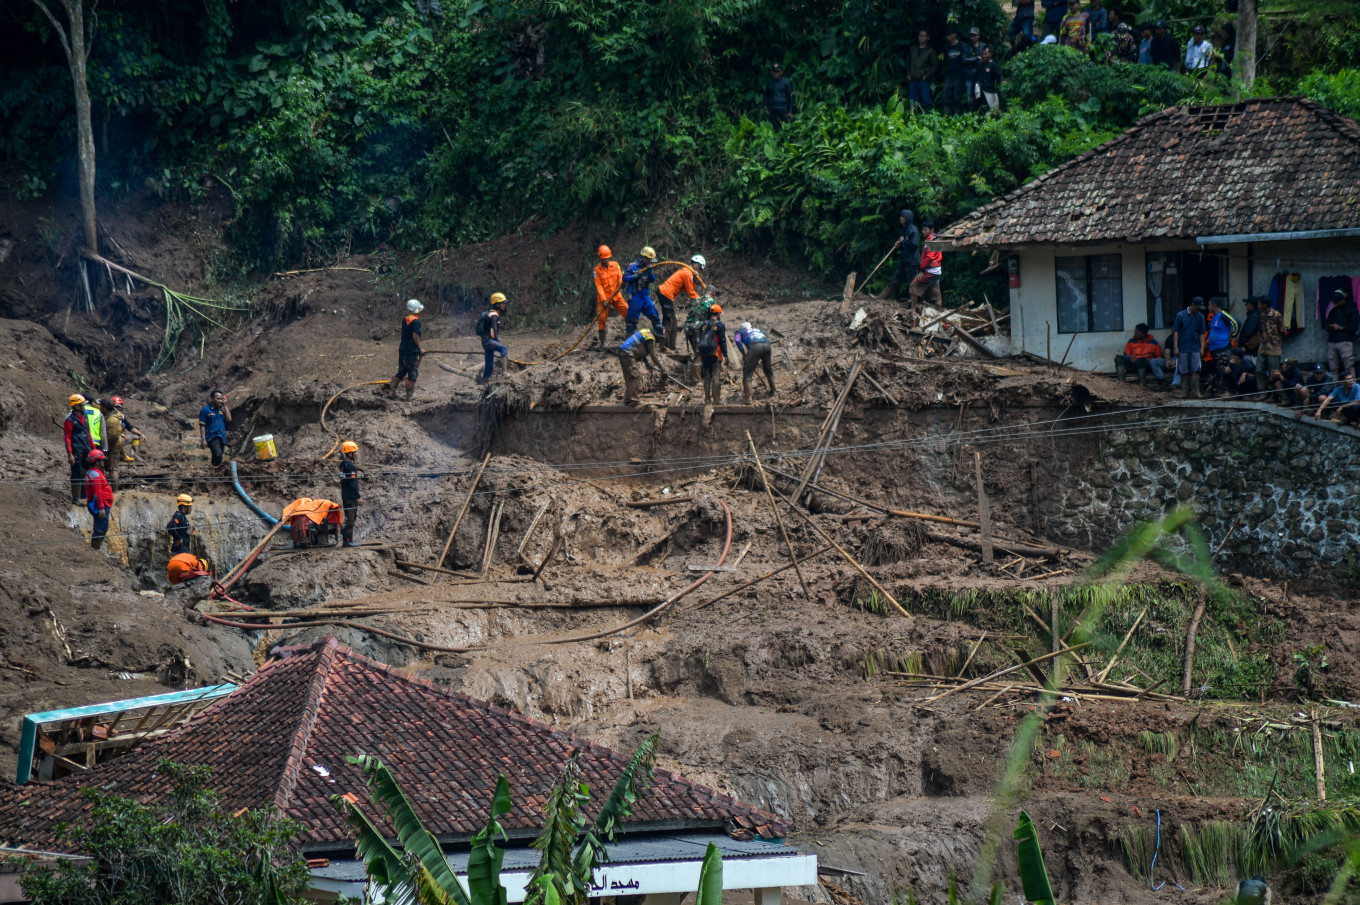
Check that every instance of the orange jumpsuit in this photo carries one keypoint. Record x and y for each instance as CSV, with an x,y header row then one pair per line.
x,y
680,281
184,566
608,279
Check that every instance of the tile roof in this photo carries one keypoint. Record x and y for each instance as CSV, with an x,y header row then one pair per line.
x,y
1266,165
282,740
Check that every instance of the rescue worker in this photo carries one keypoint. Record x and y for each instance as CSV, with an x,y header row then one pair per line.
x,y
349,490
185,567
76,431
910,243
637,283
682,281
179,528
755,351
489,329
698,313
410,351
99,495
116,426
638,347
608,283
213,419
94,419
712,346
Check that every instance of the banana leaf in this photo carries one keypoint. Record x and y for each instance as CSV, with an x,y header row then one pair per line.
x,y
710,878
1033,874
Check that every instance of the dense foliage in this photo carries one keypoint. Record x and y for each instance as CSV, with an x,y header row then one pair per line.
x,y
343,123
188,851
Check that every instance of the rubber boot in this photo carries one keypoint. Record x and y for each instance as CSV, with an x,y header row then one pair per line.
x,y
668,322
746,388
630,393
890,290
1185,386
1142,378
1194,386
770,382
410,390
1120,372
599,344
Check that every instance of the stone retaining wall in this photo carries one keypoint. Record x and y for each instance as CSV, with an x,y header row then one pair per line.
x,y
1296,485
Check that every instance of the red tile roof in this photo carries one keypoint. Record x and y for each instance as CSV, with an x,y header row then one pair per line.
x,y
282,740
1267,165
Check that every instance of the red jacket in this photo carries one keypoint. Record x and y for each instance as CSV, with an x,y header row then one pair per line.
x,y
97,489
1145,349
930,259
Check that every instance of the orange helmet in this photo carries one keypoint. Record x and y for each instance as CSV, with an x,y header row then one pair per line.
x,y
715,309
349,446
95,455
75,399
604,252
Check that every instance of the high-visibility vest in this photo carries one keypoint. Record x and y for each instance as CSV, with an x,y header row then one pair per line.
x,y
94,421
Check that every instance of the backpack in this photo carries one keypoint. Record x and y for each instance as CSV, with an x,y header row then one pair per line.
x,y
484,324
708,338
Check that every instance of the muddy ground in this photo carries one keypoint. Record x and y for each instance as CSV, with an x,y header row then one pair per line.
x,y
782,693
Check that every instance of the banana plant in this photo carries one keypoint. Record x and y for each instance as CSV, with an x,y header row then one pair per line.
x,y
1033,874
417,872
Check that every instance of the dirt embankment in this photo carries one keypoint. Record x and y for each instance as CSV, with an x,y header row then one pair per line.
x,y
782,695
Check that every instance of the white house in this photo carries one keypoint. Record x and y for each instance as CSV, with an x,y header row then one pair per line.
x,y
1210,201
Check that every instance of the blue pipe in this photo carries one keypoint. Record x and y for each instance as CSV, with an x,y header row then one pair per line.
x,y
245,498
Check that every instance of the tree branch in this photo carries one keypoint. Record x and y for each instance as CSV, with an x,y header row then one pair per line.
x,y
56,26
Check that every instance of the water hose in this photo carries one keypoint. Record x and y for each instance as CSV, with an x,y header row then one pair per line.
x,y
401,639
245,497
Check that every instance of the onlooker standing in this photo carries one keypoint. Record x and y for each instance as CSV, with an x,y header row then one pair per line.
x,y
1023,23
1164,50
1145,44
1076,27
1342,323
778,97
1268,351
1198,51
972,61
1346,397
1187,341
1125,39
922,64
1100,19
1141,355
1227,48
100,496
213,419
1054,13
910,243
989,80
955,73
1223,328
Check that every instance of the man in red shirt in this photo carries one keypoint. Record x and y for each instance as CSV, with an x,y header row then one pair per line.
x,y
100,496
927,282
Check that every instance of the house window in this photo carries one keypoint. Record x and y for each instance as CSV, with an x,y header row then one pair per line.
x,y
1090,294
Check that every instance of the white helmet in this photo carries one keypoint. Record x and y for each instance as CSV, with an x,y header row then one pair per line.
x,y
746,325
699,259
414,306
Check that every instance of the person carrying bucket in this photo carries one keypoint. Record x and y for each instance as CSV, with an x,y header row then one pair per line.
x,y
350,497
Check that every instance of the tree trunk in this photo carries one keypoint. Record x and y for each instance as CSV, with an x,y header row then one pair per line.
x,y
1246,42
73,42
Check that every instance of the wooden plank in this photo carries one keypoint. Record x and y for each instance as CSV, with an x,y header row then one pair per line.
x,y
984,513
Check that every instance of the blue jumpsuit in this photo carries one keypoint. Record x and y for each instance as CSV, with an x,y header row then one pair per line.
x,y
637,283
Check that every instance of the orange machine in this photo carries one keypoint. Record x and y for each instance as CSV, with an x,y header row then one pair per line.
x,y
312,523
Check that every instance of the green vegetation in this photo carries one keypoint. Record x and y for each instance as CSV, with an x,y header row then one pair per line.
x,y
341,125
187,850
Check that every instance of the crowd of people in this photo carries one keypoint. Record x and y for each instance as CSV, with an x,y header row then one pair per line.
x,y
963,73
1210,353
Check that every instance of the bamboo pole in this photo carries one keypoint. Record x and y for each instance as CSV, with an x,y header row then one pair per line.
x,y
1319,766
1100,677
754,581
1008,670
779,519
462,512
847,557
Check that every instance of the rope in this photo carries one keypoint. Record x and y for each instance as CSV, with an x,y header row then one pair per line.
x,y
325,408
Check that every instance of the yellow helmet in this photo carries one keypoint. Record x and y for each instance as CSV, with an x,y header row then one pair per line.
x,y
647,336
184,499
498,298
648,252
75,399
349,446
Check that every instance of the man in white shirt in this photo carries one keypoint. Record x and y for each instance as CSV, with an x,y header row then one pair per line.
x,y
1198,50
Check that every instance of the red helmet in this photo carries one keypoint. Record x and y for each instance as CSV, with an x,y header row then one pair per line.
x,y
95,455
116,400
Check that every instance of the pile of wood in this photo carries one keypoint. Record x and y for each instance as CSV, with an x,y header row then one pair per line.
x,y
942,332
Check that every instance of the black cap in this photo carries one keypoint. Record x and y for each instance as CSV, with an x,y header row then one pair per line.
x,y
776,66
1198,29
1197,300
1338,294
974,30
1160,23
